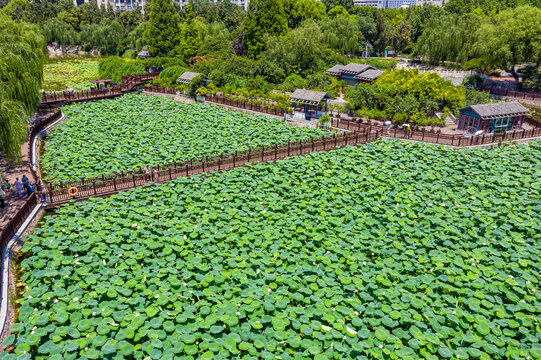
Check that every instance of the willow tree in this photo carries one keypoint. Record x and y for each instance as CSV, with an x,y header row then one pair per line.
x,y
22,52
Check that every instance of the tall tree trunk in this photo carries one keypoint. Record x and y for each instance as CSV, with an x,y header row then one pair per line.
x,y
514,73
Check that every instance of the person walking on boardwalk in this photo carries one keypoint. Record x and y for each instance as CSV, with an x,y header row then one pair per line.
x,y
19,187
2,201
8,186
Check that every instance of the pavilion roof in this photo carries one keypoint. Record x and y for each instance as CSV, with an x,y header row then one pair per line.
x,y
187,77
144,53
370,74
309,97
497,110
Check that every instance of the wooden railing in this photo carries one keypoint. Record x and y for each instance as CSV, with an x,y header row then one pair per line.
x,y
518,94
129,82
263,107
161,90
13,225
444,139
57,193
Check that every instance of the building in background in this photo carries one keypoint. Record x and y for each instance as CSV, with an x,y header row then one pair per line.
x,y
123,5
380,4
397,4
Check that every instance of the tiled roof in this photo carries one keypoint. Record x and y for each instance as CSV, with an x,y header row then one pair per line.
x,y
187,77
494,110
309,96
370,74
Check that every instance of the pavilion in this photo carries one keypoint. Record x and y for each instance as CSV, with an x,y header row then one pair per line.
x,y
144,53
492,118
354,73
187,77
311,101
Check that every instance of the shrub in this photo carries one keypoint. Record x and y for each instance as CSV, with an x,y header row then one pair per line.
x,y
173,73
115,67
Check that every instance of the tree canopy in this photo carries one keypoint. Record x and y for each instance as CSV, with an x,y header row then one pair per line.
x,y
265,18
162,32
22,52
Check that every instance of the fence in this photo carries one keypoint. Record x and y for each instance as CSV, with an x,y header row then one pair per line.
x,y
505,92
105,185
129,82
36,129
21,215
444,139
264,107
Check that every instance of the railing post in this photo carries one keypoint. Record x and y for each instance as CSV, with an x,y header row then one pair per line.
x,y
424,137
438,138
262,153
94,186
187,170
275,151
471,141
367,137
114,183
235,159
394,132
312,144
170,176
334,136
288,144
220,162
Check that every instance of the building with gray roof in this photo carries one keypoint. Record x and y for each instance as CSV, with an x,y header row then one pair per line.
x,y
354,73
492,118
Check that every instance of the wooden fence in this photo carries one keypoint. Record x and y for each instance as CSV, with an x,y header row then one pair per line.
x,y
505,92
57,193
264,107
13,225
129,82
444,139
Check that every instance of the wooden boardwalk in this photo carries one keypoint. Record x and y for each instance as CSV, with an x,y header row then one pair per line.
x,y
129,83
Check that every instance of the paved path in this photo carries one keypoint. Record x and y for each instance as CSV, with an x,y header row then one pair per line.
x,y
13,201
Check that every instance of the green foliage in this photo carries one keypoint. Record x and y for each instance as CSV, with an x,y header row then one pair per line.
x,y
265,18
115,67
405,96
162,31
189,38
512,38
22,52
348,5
474,97
271,260
298,11
134,131
449,38
485,6
341,33
173,72
299,52
164,62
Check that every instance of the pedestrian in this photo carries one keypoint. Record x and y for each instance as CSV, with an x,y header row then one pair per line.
x,y
24,179
412,130
8,186
388,125
30,190
156,175
2,201
19,187
147,174
406,130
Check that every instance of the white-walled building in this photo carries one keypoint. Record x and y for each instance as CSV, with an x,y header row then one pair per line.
x,y
380,4
439,3
122,5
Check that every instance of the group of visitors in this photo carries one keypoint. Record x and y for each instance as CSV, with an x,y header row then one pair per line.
x,y
409,129
22,186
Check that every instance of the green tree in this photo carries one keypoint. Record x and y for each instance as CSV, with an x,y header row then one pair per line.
x,y
401,35
265,17
342,33
301,51
22,52
162,31
513,37
346,4
298,11
189,38
382,36
449,38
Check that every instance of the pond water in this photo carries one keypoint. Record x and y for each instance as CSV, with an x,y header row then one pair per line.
x,y
70,71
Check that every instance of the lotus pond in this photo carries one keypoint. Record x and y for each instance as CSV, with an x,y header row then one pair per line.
x,y
387,251
135,131
75,73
